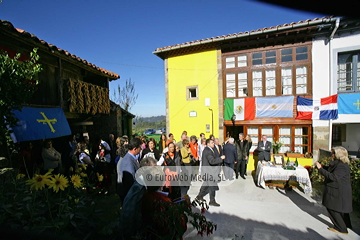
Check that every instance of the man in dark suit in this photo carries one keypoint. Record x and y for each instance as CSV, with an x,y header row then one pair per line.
x,y
217,148
264,148
210,171
242,149
230,158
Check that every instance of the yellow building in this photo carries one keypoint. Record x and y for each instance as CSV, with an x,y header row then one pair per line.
x,y
192,93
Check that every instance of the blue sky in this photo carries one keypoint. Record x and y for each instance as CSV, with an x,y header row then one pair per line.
x,y
120,36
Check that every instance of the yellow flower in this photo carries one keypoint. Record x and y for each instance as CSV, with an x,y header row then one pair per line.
x,y
19,176
39,181
76,200
58,182
100,177
79,170
83,174
76,181
71,169
82,165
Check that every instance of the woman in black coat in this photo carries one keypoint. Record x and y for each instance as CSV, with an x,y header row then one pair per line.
x,y
337,194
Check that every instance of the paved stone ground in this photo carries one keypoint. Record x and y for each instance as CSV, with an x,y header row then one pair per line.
x,y
250,212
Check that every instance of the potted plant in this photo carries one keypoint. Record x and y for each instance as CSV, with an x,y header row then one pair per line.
x,y
276,146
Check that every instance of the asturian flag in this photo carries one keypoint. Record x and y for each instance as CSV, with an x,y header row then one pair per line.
x,y
325,108
349,103
243,108
40,123
275,106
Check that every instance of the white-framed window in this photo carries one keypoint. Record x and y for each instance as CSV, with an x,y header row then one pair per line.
x,y
242,84
270,82
192,93
257,83
230,85
301,139
253,132
242,61
286,80
301,80
348,72
230,62
285,138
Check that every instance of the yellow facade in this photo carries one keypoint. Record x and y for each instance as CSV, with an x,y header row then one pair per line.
x,y
197,69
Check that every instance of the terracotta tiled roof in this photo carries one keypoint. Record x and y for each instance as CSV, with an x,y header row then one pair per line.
x,y
240,34
27,35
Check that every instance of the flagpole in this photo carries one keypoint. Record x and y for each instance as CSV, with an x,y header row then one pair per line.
x,y
331,57
212,121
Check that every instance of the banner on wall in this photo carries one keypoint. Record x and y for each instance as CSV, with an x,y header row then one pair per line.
x,y
243,108
349,103
323,109
275,106
40,123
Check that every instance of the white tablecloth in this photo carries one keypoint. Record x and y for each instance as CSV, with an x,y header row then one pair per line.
x,y
266,173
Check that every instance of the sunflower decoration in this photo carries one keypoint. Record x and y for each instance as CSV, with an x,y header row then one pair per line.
x,y
76,181
20,176
100,177
39,181
83,166
58,182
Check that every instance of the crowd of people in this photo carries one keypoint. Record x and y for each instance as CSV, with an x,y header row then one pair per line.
x,y
123,158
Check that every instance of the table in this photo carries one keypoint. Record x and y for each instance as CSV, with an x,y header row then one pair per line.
x,y
266,172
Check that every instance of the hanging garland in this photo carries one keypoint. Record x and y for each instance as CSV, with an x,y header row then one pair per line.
x,y
87,98
107,103
80,97
72,99
95,100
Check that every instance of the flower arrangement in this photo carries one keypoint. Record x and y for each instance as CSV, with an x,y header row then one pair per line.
x,y
276,145
56,204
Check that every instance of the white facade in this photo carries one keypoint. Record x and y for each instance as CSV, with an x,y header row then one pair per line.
x,y
325,66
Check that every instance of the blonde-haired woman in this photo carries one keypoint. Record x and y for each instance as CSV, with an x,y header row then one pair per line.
x,y
248,139
337,195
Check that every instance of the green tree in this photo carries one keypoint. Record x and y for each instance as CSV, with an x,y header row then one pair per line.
x,y
18,82
125,96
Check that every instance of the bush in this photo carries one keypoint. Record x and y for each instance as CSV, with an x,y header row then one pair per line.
x,y
355,179
55,204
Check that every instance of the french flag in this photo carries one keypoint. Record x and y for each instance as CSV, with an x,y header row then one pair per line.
x,y
325,108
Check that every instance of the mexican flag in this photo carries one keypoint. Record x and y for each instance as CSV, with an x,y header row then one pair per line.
x,y
243,108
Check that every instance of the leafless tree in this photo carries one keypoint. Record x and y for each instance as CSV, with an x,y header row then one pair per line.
x,y
125,96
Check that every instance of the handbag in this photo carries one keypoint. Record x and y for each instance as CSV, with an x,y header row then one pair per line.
x,y
193,162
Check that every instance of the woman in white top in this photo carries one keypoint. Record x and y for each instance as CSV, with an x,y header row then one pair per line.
x,y
84,157
51,157
201,148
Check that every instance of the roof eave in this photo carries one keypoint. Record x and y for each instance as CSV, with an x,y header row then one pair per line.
x,y
247,34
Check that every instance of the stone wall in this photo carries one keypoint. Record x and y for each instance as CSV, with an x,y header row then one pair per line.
x,y
320,140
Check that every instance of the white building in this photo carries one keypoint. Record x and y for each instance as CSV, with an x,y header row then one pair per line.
x,y
336,70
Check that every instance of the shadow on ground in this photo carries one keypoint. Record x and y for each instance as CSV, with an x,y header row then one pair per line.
x,y
234,227
314,210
